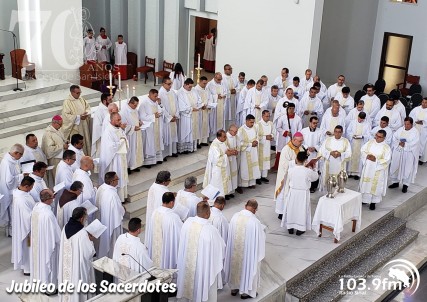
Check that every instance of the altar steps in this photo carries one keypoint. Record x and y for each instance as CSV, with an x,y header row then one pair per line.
x,y
361,255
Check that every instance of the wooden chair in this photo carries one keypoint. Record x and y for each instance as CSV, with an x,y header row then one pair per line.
x,y
19,60
406,85
132,64
167,69
150,64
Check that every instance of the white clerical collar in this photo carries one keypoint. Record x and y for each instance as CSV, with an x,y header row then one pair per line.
x,y
132,237
201,220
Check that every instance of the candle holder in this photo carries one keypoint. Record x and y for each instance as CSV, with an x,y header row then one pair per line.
x,y
199,70
111,89
120,98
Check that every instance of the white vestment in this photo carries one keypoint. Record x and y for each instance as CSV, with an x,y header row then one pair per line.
x,y
312,139
333,90
220,222
188,200
389,136
297,209
280,110
131,245
97,127
357,134
64,173
217,171
346,103
353,115
120,53
200,260
10,179
189,119
206,100
313,106
298,91
170,129
255,97
45,240
282,84
75,263
103,53
177,80
395,120
79,155
64,213
39,186
217,114
248,160
404,160
332,165
306,83
233,161
89,49
373,180
230,82
372,105
135,156
154,201
89,191
282,128
113,157
153,135
23,205
240,104
110,213
329,122
264,153
420,114
33,154
162,237
244,253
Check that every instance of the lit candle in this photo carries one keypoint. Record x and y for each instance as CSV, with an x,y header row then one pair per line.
x,y
120,82
127,92
111,78
198,60
133,91
192,74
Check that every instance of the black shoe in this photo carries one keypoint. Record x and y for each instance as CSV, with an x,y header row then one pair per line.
x,y
54,293
147,166
185,152
204,144
280,216
258,182
165,159
234,292
265,180
199,146
136,170
356,177
175,155
227,197
231,195
405,189
420,163
312,190
350,176
291,231
395,185
239,190
372,206
129,171
299,233
245,296
273,148
26,274
159,162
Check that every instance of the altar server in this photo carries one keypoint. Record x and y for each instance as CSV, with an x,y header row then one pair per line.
x,y
120,57
419,115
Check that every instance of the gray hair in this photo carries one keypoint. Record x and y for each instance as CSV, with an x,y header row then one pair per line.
x,y
163,176
189,182
17,148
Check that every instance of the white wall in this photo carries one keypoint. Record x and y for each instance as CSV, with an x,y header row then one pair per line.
x,y
262,39
346,40
9,10
406,19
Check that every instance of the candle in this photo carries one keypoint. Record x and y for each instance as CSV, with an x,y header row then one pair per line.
x,y
198,61
192,75
127,92
133,91
111,78
120,82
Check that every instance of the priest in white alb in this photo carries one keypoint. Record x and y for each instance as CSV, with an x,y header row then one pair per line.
x,y
206,100
129,246
335,152
83,175
218,92
245,251
312,142
76,254
32,151
217,217
372,103
217,171
240,111
97,121
188,197
375,157
129,114
113,156
150,111
297,208
388,110
110,213
200,258
10,176
76,117
310,105
265,131
77,144
358,133
170,118
22,206
162,234
64,174
39,171
232,158
189,104
384,126
405,156
256,101
230,82
332,118
69,200
247,139
336,88
419,115
345,99
45,240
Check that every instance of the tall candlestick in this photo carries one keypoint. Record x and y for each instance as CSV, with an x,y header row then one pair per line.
x,y
127,92
120,82
198,60
192,75
133,91
111,77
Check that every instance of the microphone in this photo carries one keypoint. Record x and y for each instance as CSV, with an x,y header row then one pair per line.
x,y
151,276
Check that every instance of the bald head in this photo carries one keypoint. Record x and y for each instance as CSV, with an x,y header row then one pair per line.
x,y
112,108
252,206
86,163
203,210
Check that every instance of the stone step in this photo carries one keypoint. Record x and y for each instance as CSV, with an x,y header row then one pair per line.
x,y
324,270
365,266
34,87
9,83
